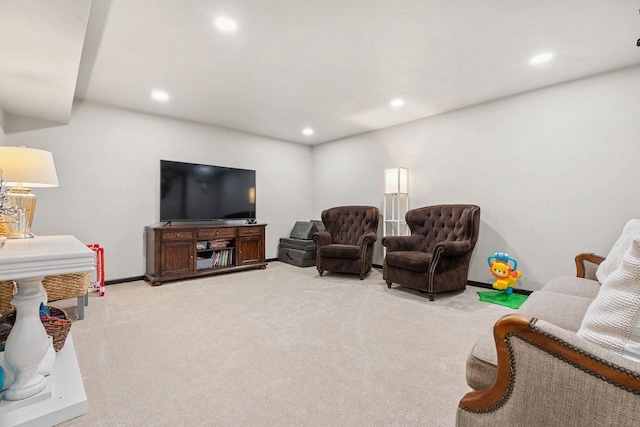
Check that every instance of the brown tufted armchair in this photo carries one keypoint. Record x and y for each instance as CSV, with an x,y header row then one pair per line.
x,y
435,258
346,245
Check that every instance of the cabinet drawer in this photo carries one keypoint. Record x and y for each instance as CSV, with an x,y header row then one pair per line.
x,y
177,235
250,231
208,233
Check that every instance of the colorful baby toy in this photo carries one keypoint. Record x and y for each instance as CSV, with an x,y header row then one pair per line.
x,y
506,275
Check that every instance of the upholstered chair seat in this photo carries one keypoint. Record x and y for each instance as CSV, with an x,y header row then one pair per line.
x,y
346,245
435,258
341,251
410,260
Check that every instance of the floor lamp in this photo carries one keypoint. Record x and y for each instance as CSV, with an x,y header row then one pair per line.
x,y
396,201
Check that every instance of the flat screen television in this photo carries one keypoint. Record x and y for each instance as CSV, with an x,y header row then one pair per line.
x,y
195,192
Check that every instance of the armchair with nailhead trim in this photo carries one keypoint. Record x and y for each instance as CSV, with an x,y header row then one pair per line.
x,y
346,244
436,257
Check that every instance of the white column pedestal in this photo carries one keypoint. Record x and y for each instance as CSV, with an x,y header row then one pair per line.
x,y
34,399
62,399
27,343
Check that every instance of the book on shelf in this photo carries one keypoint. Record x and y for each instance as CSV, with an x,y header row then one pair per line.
x,y
219,243
218,258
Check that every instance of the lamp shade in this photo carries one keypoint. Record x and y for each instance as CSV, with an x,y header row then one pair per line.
x,y
27,167
396,181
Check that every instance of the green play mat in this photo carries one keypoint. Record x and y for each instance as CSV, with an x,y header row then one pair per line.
x,y
501,298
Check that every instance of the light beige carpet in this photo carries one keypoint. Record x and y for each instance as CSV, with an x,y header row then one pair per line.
x,y
276,347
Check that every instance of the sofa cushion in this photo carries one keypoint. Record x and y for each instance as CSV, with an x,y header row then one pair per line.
x,y
562,309
576,286
303,230
565,311
614,258
482,363
613,319
340,251
415,261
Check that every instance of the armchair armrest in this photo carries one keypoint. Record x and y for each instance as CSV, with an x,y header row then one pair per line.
x,y
587,264
322,238
555,369
400,243
454,248
368,239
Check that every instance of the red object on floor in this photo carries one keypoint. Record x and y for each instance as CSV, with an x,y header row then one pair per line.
x,y
98,284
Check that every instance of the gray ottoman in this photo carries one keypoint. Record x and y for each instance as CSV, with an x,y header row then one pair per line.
x,y
299,249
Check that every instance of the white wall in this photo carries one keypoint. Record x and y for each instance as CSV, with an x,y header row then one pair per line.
x,y
108,166
555,171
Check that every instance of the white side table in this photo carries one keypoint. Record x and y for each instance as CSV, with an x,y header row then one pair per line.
x,y
28,261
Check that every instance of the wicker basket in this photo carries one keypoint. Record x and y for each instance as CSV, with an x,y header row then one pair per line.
x,y
58,287
56,328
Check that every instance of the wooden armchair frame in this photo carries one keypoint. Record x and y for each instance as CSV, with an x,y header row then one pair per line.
x,y
511,325
544,371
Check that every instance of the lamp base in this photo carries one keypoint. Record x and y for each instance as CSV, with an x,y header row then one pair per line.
x,y
25,200
21,236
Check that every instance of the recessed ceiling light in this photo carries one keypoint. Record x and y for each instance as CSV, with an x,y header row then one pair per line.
x,y
397,102
226,24
541,58
160,95
307,131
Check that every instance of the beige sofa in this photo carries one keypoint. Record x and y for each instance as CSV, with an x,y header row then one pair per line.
x,y
534,369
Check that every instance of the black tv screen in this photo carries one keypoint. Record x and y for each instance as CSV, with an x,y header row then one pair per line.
x,y
190,191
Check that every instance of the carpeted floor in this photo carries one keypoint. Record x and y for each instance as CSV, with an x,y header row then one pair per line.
x,y
276,347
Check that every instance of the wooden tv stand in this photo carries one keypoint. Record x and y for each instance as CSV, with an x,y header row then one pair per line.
x,y
183,251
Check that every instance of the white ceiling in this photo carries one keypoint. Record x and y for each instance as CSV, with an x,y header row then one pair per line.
x,y
332,65
40,48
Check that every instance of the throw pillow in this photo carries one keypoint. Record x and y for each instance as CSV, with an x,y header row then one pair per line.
x,y
611,263
613,318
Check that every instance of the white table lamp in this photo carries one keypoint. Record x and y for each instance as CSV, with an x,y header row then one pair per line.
x,y
24,168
